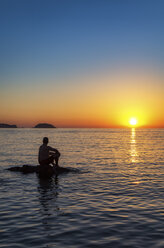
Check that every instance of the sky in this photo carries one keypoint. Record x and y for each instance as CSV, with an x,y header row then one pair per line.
x,y
82,63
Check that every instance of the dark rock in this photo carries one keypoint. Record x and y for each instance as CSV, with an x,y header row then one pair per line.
x,y
2,125
43,171
44,125
25,168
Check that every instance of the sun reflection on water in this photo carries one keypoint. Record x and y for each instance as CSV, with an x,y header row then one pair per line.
x,y
133,150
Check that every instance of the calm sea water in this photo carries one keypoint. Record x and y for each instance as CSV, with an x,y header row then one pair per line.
x,y
116,199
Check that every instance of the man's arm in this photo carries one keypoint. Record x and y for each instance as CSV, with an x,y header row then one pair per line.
x,y
51,149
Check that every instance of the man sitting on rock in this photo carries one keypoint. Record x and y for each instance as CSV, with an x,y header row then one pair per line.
x,y
48,154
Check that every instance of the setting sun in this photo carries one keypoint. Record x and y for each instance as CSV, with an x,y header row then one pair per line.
x,y
133,121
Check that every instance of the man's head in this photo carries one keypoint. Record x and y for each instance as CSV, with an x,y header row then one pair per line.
x,y
45,140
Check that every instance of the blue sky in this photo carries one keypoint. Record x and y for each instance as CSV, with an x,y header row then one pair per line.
x,y
41,38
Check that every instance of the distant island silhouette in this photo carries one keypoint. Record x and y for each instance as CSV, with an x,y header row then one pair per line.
x,y
44,125
3,125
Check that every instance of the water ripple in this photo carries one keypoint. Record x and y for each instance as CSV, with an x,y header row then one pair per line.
x,y
114,199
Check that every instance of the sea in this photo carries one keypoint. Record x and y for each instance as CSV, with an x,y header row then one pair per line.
x,y
113,197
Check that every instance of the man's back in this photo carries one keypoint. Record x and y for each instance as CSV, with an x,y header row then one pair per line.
x,y
43,152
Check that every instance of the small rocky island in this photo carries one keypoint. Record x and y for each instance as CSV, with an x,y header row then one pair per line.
x,y
2,125
44,125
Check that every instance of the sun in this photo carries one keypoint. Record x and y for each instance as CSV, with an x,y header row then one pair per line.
x,y
133,121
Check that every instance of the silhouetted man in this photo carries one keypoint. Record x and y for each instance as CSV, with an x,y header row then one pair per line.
x,y
48,154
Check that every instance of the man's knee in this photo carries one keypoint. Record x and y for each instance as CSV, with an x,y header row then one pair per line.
x,y
58,154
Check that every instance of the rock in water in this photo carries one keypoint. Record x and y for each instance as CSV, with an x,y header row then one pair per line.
x,y
25,168
43,171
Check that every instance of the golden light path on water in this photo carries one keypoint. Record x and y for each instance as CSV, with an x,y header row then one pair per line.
x,y
133,150
134,153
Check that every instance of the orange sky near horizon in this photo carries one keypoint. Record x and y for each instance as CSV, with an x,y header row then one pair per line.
x,y
107,99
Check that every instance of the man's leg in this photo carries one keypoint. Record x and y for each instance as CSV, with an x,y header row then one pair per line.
x,y
56,158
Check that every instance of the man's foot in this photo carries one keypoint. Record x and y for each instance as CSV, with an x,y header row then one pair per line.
x,y
55,168
54,165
